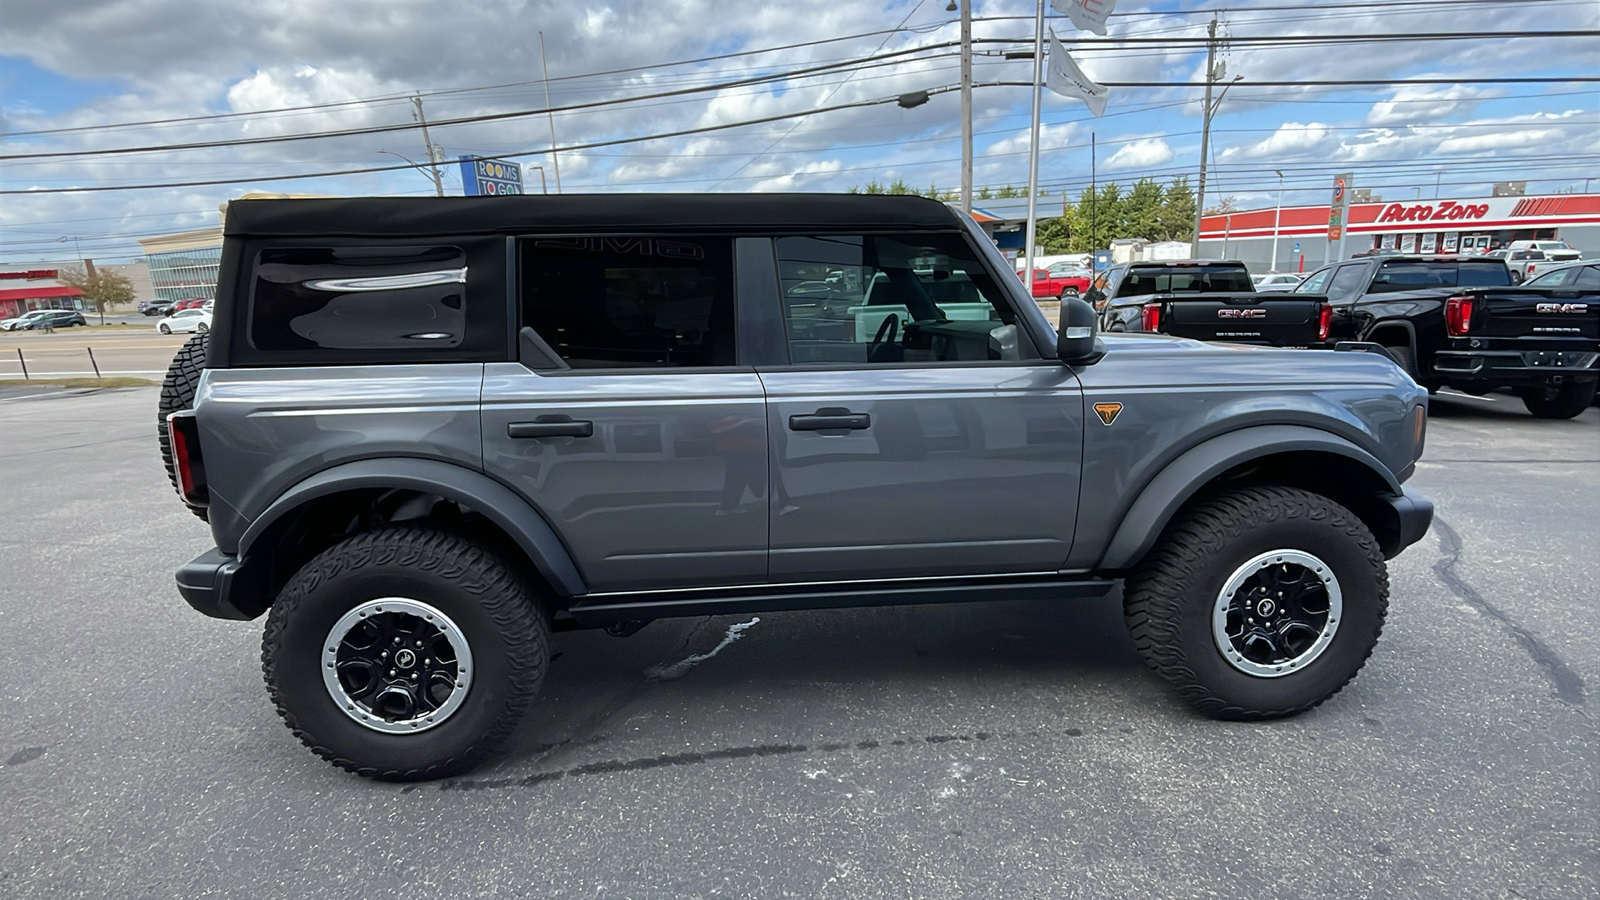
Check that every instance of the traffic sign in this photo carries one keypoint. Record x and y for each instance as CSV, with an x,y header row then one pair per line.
x,y
1297,246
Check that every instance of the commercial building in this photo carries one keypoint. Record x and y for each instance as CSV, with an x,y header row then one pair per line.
x,y
186,264
1410,226
29,286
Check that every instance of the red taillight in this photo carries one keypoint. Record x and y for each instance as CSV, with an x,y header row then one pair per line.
x,y
1150,320
1324,322
1458,316
186,463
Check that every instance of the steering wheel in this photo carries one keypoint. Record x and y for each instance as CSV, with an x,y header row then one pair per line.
x,y
884,339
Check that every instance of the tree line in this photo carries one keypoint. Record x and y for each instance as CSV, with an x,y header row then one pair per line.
x,y
1147,210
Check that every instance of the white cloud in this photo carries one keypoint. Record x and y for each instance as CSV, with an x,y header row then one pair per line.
x,y
1409,104
1142,153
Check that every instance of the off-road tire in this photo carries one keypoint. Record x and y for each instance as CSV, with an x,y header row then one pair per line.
x,y
496,610
1570,400
1168,600
177,394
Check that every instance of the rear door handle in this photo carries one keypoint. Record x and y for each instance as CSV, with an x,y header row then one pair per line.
x,y
551,426
831,419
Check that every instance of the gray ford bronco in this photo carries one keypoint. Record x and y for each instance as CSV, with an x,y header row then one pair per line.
x,y
427,433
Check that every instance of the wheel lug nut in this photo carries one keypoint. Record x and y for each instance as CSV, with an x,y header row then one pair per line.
x,y
391,673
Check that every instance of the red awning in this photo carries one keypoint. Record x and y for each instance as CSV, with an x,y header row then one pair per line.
x,y
39,293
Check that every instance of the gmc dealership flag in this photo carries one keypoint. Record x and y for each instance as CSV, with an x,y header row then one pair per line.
x,y
1065,78
1086,15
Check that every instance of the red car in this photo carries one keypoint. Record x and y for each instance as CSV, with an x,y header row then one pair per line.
x,y
190,303
1048,285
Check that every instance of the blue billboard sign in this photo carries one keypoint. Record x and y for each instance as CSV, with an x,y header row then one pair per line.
x,y
490,177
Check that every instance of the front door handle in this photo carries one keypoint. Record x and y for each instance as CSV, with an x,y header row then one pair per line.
x,y
831,419
551,426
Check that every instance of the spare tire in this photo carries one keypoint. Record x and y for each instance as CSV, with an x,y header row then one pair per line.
x,y
177,393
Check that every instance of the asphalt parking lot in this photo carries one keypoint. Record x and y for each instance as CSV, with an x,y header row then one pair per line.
x,y
1018,750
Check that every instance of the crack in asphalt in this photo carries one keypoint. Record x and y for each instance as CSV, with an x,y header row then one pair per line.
x,y
1568,684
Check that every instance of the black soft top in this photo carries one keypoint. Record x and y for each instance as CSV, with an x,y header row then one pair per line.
x,y
385,216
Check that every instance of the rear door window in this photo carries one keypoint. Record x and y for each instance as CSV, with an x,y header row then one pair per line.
x,y
631,301
1414,275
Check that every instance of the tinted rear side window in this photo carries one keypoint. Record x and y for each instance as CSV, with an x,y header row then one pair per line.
x,y
360,299
626,302
377,303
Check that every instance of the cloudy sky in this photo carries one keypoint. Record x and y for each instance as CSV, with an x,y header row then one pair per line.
x,y
102,75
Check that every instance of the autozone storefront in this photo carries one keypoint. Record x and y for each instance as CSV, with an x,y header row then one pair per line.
x,y
1409,226
24,288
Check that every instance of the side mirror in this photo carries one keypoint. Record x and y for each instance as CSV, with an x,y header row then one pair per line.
x,y
1076,344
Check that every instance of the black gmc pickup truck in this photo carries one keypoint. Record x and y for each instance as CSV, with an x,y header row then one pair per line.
x,y
1208,300
1459,321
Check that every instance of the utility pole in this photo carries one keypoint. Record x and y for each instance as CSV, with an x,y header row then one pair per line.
x,y
1205,133
427,143
544,66
966,105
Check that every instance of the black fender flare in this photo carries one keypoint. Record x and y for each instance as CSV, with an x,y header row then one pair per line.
x,y
1185,475
496,502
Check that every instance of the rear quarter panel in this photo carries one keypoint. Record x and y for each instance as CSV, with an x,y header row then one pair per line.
x,y
265,430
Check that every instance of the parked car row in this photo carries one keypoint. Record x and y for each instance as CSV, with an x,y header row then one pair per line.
x,y
164,308
41,319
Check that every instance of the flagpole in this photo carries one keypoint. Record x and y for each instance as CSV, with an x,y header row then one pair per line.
x,y
1033,149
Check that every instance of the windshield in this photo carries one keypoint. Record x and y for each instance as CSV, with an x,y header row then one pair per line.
x,y
1184,279
1419,275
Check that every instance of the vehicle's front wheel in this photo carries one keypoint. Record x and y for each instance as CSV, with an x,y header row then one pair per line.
x,y
1565,402
164,328
405,654
1260,602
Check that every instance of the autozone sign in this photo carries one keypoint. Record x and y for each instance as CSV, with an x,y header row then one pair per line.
x,y
1442,211
32,274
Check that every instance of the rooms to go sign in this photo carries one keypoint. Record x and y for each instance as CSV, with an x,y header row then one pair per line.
x,y
490,177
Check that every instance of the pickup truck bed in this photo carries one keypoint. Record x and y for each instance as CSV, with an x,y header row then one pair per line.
x,y
1281,320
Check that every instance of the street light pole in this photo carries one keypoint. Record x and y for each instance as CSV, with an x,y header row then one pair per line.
x,y
1277,222
550,114
1033,148
1205,134
542,188
966,104
431,176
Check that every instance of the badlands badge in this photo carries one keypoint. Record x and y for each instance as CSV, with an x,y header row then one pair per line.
x,y
1107,411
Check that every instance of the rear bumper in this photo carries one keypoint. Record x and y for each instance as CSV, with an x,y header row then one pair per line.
x,y
1412,515
210,584
1514,367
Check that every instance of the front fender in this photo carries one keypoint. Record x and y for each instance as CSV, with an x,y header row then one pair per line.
x,y
1192,470
496,502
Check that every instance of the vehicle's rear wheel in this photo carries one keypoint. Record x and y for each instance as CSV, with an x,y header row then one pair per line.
x,y
1566,401
177,394
1260,602
1068,292
201,327
1406,359
404,654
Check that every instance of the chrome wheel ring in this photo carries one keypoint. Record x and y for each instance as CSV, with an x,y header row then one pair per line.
x,y
1277,613
396,666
